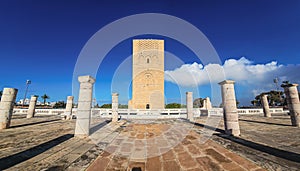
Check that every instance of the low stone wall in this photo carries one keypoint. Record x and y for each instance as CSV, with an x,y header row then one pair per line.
x,y
147,113
215,112
260,111
219,111
43,111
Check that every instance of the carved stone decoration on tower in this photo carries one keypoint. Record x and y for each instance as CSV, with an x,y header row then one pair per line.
x,y
147,74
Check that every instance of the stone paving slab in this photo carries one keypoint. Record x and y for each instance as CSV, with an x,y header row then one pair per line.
x,y
43,142
47,143
270,142
166,145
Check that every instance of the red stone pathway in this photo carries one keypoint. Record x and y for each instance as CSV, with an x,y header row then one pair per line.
x,y
159,146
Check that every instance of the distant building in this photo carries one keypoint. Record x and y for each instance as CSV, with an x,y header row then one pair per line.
x,y
26,102
51,103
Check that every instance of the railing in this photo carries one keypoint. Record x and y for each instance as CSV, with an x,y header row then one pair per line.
x,y
163,113
260,111
44,111
215,112
146,113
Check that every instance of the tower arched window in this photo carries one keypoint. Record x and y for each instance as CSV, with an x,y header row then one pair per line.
x,y
148,60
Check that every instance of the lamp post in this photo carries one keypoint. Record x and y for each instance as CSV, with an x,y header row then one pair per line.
x,y
27,85
276,83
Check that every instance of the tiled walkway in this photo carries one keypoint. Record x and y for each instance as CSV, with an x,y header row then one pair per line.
x,y
47,143
166,145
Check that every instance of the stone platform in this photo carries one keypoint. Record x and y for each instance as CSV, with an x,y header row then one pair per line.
x,y
48,143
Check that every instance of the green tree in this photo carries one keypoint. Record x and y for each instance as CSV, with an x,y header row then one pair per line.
x,y
275,98
254,102
237,103
198,102
173,105
45,97
183,106
107,106
121,106
59,104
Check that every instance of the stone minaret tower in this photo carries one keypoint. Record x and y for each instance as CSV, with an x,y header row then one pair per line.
x,y
147,74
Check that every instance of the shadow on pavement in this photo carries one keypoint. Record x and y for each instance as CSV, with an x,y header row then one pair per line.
x,y
205,126
34,123
15,159
291,156
99,126
264,122
263,148
210,127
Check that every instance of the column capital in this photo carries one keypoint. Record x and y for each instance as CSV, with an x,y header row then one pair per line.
x,y
10,90
288,85
70,97
226,82
86,79
115,94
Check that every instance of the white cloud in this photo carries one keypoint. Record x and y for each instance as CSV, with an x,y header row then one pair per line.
x,y
254,77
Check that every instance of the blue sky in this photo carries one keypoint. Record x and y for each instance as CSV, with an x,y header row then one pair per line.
x,y
41,41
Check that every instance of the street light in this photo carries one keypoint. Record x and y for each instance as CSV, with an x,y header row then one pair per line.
x,y
27,85
276,80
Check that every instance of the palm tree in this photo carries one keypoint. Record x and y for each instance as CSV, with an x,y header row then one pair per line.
x,y
45,97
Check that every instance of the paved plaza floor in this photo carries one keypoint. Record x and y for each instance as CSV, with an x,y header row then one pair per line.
x,y
48,143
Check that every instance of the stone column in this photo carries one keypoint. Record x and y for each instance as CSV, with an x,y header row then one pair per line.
x,y
292,98
204,104
231,120
68,111
82,128
208,103
265,104
189,106
114,106
6,106
31,109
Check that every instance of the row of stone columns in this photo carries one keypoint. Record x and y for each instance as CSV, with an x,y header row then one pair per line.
x,y
7,104
230,114
85,103
32,106
292,97
230,109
